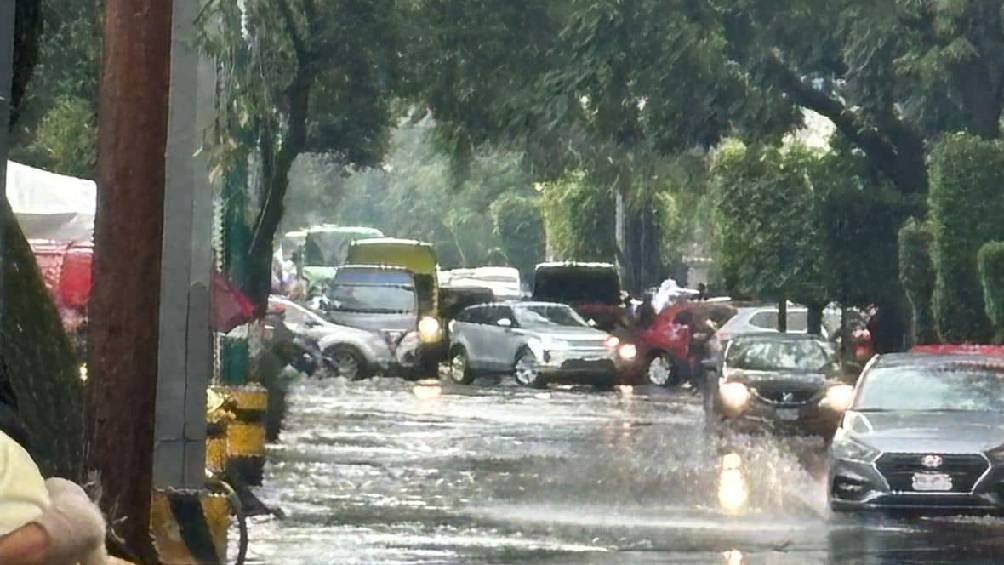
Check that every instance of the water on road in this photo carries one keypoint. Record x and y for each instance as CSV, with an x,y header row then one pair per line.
x,y
389,471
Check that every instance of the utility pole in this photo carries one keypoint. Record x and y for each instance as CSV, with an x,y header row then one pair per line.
x,y
125,303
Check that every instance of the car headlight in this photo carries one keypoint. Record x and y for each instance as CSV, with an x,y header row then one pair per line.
x,y
612,342
628,352
838,398
854,450
735,396
429,329
996,455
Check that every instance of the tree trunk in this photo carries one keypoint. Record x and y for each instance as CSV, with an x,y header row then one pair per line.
x,y
128,244
814,319
782,314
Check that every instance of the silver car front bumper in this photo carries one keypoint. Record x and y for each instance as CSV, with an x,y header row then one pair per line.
x,y
860,486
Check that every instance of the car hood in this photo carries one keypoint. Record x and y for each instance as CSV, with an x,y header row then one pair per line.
x,y
372,321
568,334
923,432
777,380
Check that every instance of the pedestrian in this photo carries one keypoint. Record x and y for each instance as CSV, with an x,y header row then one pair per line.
x,y
702,292
41,521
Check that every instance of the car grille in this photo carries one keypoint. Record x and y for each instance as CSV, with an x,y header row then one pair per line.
x,y
790,398
899,468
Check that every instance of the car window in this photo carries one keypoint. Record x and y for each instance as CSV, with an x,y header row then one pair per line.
x,y
767,320
952,387
547,316
777,355
372,298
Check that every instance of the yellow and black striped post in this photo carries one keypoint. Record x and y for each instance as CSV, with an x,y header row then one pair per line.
x,y
245,433
190,527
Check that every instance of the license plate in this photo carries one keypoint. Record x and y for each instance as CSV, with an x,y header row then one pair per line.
x,y
928,482
787,414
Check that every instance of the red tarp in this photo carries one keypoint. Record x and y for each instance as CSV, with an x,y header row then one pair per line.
x,y
230,307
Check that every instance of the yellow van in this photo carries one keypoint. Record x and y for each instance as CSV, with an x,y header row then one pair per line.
x,y
420,259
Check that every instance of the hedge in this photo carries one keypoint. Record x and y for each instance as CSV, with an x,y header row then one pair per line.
x,y
991,265
916,273
966,207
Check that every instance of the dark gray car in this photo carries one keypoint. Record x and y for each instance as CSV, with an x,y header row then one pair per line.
x,y
924,432
775,382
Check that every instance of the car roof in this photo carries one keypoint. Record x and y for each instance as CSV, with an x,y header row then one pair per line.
x,y
558,264
778,336
518,303
893,360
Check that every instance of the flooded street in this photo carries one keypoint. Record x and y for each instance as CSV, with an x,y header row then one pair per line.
x,y
390,471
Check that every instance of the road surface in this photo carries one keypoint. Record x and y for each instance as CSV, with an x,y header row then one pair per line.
x,y
389,471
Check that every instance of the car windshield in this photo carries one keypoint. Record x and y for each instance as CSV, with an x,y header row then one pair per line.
x,y
372,298
767,320
777,355
551,316
954,387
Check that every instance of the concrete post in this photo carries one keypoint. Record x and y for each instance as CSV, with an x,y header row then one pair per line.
x,y
184,360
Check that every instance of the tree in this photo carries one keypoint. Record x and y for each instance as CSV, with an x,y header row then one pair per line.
x,y
770,242
519,227
128,242
967,174
991,264
299,76
916,272
56,130
579,219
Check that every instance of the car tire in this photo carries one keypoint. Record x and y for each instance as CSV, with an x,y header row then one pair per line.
x,y
663,371
460,367
346,361
526,371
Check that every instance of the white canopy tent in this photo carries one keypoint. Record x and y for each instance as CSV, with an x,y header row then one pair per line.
x,y
51,206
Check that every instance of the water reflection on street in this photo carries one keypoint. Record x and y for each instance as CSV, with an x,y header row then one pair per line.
x,y
389,471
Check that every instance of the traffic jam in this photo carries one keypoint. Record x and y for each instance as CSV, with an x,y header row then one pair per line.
x,y
912,436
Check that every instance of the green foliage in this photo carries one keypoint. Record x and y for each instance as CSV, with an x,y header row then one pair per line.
x,y
859,212
769,239
966,207
916,272
491,217
57,125
579,218
519,227
66,140
991,265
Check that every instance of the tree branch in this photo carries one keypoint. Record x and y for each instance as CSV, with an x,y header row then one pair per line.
x,y
299,45
896,149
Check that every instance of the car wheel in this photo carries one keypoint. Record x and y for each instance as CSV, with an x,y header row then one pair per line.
x,y
347,362
527,371
663,371
460,367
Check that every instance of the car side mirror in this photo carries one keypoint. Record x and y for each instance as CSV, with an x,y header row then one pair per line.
x,y
504,323
591,322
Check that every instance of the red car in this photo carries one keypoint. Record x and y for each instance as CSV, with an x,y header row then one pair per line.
x,y
672,346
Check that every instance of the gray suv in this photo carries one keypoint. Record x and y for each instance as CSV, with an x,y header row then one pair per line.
x,y
538,342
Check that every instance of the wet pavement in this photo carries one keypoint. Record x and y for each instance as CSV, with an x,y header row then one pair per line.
x,y
389,471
